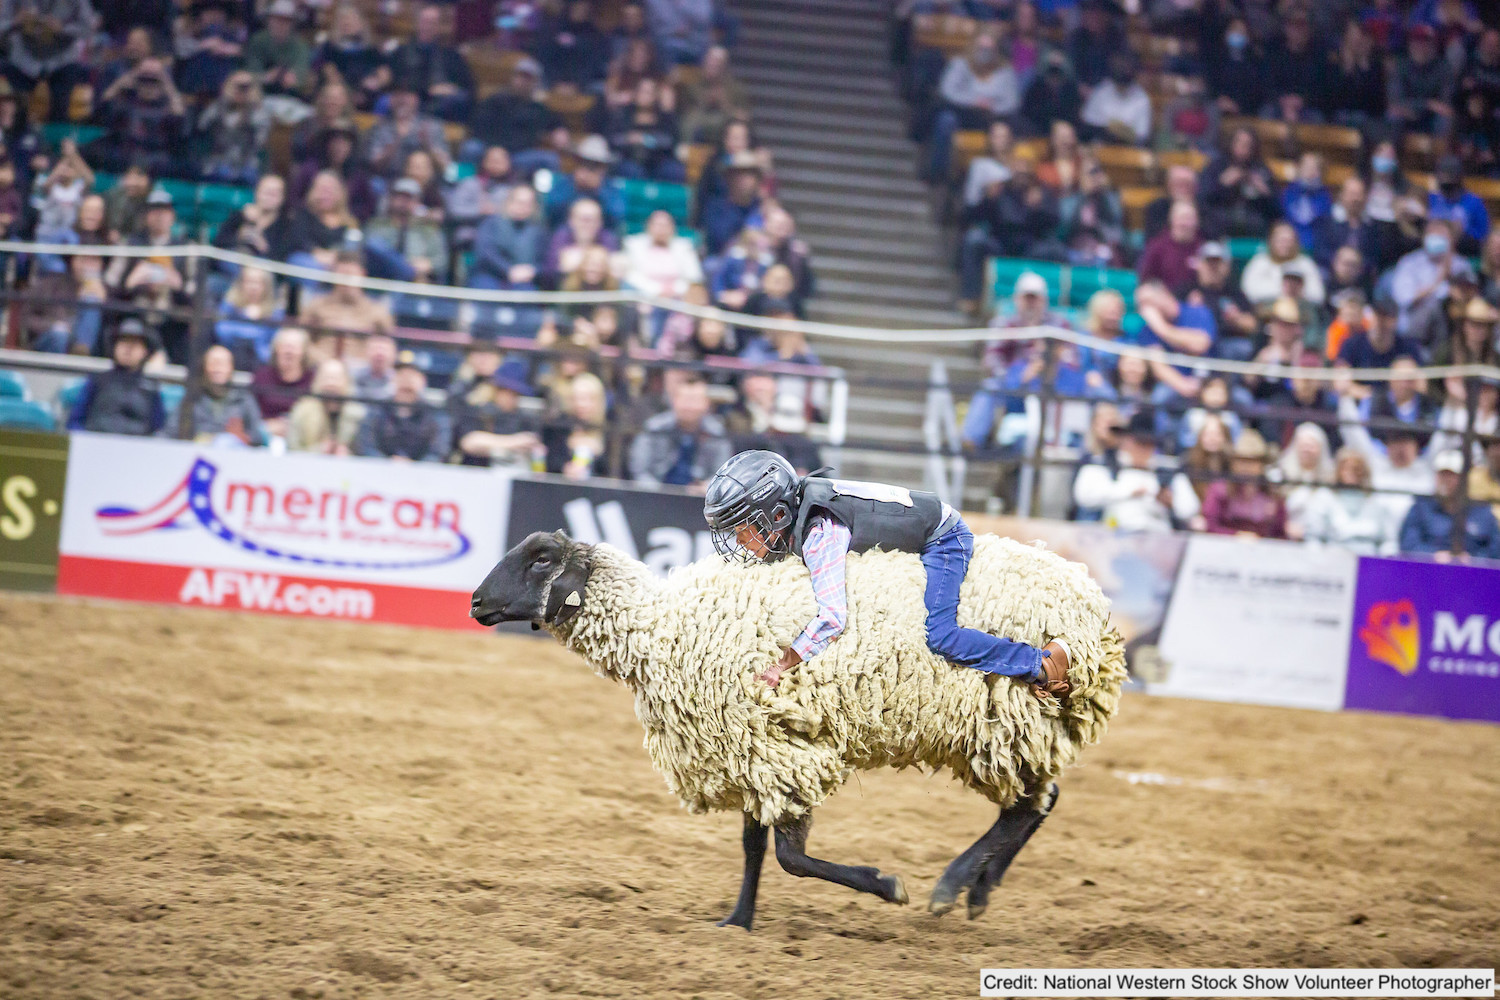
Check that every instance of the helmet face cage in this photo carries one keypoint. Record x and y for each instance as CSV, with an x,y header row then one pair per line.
x,y
727,543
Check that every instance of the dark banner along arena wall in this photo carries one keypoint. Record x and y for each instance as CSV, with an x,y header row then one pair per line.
x,y
663,530
33,477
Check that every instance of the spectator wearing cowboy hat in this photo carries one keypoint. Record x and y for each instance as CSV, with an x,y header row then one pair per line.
x,y
1136,492
278,55
589,179
123,400
726,215
489,427
1245,506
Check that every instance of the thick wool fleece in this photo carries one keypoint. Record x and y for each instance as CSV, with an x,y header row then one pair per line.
x,y
690,648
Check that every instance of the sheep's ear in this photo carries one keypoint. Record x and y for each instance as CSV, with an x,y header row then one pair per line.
x,y
566,597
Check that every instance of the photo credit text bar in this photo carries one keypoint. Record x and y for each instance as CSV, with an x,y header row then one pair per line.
x,y
1237,982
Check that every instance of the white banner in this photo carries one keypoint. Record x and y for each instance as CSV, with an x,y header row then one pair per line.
x,y
1260,622
402,528
1237,983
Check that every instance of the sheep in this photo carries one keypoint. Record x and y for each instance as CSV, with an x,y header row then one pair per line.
x,y
689,647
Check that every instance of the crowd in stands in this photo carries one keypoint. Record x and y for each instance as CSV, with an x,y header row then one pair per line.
x,y
1281,182
586,146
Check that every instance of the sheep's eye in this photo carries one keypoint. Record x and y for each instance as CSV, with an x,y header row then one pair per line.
x,y
542,562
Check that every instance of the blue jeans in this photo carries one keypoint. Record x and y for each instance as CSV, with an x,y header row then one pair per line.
x,y
947,560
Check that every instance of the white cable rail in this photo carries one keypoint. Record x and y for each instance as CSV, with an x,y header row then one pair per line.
x,y
833,331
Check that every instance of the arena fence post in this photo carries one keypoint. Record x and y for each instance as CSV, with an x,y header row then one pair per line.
x,y
1461,508
1049,402
200,334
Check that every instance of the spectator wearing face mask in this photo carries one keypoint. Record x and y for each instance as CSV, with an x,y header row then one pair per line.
x,y
1234,69
1419,281
1463,208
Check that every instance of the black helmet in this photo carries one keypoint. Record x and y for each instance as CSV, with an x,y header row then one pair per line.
x,y
756,488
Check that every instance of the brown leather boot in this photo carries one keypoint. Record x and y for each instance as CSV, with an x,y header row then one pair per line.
x,y
1055,662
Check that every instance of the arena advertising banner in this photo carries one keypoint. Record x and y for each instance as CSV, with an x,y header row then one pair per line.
x,y
349,538
1262,622
662,529
33,473
1427,640
1135,569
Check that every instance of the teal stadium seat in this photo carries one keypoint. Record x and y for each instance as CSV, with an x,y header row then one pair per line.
x,y
67,397
56,132
1242,248
644,197
12,386
171,396
1085,281
1008,271
22,414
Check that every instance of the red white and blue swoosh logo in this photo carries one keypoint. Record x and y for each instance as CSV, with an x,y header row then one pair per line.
x,y
191,502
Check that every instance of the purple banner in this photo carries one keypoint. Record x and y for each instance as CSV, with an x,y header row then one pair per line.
x,y
1426,640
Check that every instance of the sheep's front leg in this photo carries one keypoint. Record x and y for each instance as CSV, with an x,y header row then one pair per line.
x,y
791,851
754,840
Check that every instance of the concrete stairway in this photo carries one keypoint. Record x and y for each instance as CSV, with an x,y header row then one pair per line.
x,y
823,100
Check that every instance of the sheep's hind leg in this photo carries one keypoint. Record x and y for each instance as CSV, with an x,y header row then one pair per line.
x,y
980,868
754,840
791,851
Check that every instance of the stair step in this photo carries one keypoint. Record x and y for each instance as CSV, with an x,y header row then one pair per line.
x,y
883,164
881,248
882,359
877,10
761,18
848,124
770,94
892,186
911,409
809,55
873,289
857,312
914,238
866,46
893,207
805,73
880,268
833,140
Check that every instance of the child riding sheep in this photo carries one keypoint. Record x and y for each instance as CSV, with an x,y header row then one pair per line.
x,y
759,510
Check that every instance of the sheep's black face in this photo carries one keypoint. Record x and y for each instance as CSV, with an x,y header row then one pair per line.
x,y
540,580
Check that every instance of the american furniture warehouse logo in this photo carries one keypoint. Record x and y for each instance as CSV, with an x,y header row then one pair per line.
x,y
310,527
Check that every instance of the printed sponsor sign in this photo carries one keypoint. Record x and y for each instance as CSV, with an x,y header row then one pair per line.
x,y
1135,570
33,472
1261,622
1427,640
289,534
663,530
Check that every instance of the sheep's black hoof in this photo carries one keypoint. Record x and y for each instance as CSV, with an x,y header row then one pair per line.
x,y
977,908
942,900
734,921
895,889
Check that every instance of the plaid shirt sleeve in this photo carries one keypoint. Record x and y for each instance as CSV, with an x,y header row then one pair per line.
x,y
824,550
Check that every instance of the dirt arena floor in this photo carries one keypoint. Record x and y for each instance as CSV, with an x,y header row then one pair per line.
x,y
195,803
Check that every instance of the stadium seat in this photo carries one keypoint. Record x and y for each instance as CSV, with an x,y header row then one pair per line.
x,y
950,34
1181,158
1242,248
1083,282
171,395
1008,271
1127,166
25,415
1337,143
644,197
67,397
1134,200
56,132
12,386
967,144
698,156
570,107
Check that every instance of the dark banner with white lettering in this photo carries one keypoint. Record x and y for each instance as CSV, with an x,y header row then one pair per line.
x,y
663,530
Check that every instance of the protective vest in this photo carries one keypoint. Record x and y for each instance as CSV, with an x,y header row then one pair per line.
x,y
877,515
